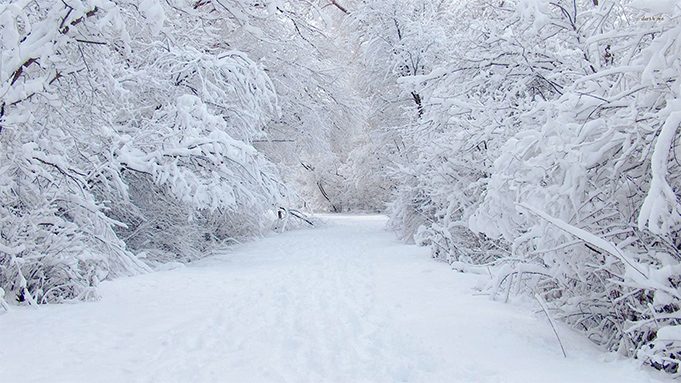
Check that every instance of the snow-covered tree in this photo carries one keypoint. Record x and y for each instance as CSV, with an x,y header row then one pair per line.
x,y
544,148
587,192
126,132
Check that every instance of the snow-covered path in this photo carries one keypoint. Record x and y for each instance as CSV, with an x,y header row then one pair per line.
x,y
342,303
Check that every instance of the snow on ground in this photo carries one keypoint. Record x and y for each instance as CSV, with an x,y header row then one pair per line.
x,y
342,303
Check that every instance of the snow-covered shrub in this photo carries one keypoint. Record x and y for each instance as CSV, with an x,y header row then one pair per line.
x,y
121,123
184,166
471,106
588,195
57,241
546,148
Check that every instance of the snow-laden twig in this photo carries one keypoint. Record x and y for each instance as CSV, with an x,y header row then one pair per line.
x,y
3,303
586,237
544,307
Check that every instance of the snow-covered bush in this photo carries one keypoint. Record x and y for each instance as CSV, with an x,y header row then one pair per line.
x,y
471,105
545,147
587,194
124,128
57,241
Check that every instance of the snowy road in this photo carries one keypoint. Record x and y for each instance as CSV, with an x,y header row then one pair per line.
x,y
342,303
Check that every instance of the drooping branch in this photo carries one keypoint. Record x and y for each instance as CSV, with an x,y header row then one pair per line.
x,y
342,8
418,101
326,196
63,29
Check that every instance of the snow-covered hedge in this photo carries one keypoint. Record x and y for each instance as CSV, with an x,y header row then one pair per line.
x,y
544,146
587,193
125,140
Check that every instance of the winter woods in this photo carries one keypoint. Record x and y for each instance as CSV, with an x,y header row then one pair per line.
x,y
533,141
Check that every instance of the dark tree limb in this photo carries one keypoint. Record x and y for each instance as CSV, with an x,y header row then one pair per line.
x,y
63,29
342,8
326,196
419,102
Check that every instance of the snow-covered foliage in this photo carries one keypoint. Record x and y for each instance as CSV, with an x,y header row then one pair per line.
x,y
539,140
126,135
310,63
543,145
587,192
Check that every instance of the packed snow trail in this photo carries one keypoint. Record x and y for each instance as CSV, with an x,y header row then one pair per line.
x,y
345,302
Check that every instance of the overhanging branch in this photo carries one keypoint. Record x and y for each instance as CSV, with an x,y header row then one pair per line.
x,y
342,8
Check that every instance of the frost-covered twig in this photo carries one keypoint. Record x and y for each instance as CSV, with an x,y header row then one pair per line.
x,y
544,308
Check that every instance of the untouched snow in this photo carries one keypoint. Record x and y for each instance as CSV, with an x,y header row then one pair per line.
x,y
342,303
